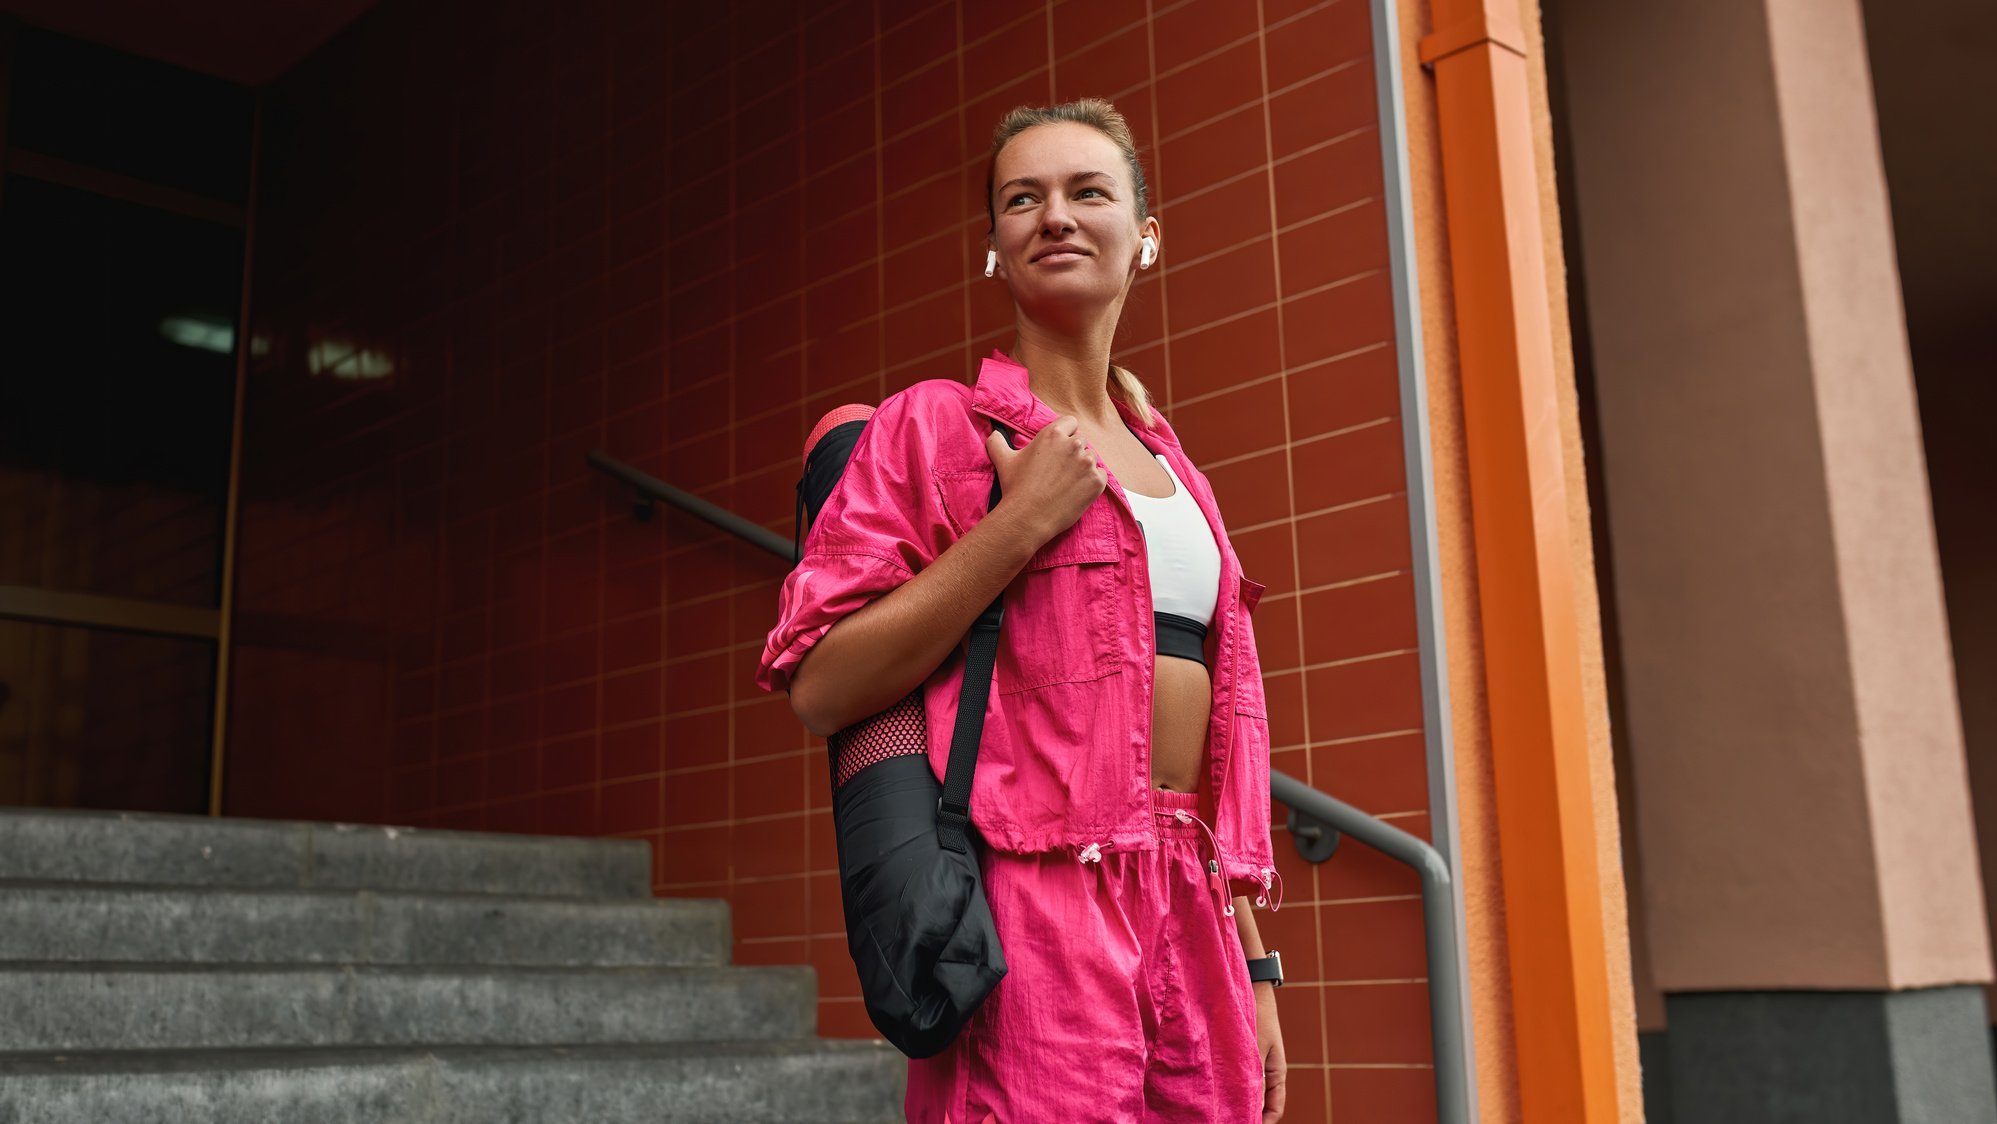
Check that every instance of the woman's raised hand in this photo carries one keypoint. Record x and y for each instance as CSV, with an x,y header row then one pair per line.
x,y
1051,481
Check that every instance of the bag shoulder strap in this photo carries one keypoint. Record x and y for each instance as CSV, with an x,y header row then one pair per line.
x,y
953,810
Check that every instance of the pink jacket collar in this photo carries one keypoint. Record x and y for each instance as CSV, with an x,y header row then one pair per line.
x,y
1003,394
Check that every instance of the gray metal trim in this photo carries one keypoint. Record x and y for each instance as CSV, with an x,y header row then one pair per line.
x,y
1455,1046
118,614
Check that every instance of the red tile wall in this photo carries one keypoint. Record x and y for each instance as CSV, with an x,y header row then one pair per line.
x,y
503,237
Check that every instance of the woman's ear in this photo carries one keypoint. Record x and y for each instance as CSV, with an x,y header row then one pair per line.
x,y
1150,242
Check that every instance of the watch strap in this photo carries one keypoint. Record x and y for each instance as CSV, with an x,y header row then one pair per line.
x,y
1268,968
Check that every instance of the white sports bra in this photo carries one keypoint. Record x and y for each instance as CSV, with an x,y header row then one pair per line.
x,y
1179,545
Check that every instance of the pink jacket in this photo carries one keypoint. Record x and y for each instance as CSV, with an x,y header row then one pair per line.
x,y
1065,757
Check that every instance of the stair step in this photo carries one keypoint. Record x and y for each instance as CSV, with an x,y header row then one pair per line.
x,y
181,925
825,1081
66,1007
62,845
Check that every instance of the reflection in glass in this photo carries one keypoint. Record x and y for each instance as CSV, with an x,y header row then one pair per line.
x,y
114,437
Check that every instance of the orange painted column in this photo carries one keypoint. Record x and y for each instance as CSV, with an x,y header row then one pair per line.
x,y
1564,1022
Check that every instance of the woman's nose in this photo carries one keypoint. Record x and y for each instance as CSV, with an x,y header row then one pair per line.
x,y
1055,217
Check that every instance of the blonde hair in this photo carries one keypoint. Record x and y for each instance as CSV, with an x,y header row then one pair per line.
x,y
1103,117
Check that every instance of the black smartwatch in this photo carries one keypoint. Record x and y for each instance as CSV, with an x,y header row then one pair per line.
x,y
1269,968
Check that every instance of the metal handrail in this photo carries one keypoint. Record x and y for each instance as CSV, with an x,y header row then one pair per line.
x,y
651,489
1313,813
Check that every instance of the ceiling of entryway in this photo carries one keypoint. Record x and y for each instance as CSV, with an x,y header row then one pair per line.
x,y
246,41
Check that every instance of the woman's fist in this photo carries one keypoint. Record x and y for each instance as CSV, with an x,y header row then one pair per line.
x,y
1051,481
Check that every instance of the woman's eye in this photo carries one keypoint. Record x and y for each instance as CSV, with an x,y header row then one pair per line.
x,y
1091,191
1015,200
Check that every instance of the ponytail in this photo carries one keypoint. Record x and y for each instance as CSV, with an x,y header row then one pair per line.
x,y
1124,387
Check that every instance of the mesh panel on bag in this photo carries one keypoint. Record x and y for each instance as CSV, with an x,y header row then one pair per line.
x,y
898,731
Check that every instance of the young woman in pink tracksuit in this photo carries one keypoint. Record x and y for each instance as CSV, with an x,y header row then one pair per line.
x,y
1122,787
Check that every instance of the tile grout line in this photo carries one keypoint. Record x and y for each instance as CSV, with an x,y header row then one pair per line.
x,y
1290,474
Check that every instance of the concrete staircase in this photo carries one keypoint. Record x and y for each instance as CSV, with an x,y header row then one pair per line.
x,y
180,968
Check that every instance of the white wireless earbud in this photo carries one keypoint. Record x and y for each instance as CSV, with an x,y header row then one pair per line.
x,y
991,262
1148,254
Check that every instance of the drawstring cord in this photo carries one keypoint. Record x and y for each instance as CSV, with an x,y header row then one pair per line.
x,y
1270,876
1214,878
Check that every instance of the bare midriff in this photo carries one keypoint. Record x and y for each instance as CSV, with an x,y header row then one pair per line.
x,y
1182,695
1180,705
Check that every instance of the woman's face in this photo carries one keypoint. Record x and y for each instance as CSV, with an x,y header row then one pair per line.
x,y
1066,227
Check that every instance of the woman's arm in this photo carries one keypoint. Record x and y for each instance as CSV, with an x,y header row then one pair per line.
x,y
1268,1031
1251,938
883,651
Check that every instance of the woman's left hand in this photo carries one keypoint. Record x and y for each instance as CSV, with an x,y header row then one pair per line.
x,y
1269,1040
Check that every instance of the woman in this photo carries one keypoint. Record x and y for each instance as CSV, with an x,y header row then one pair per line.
x,y
1127,710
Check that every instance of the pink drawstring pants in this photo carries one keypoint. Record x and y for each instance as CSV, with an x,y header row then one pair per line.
x,y
1126,997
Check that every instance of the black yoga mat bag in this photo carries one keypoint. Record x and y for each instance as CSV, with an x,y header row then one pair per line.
x,y
917,924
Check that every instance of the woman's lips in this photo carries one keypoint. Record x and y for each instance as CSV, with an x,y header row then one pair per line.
x,y
1059,257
